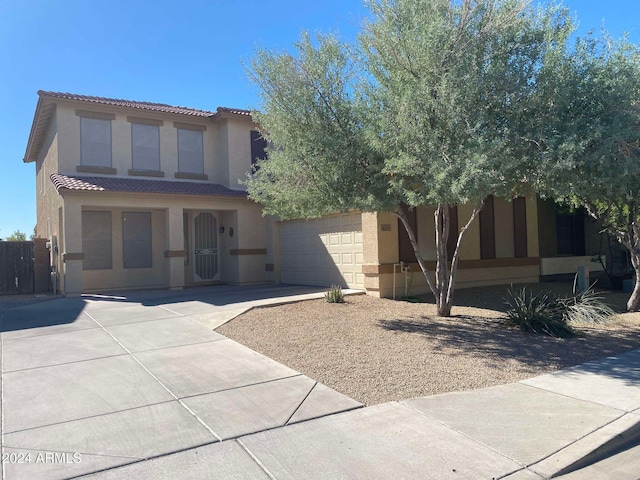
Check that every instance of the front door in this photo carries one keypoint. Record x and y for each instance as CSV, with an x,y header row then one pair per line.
x,y
205,248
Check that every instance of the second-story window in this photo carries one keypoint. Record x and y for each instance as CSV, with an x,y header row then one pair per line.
x,y
95,142
145,146
258,148
190,151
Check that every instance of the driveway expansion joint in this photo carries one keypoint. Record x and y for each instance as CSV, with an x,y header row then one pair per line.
x,y
547,390
137,459
240,387
87,417
453,429
65,363
255,459
160,382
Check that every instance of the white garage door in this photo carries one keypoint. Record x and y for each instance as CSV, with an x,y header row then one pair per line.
x,y
322,252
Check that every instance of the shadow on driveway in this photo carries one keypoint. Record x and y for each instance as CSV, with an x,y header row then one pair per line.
x,y
193,300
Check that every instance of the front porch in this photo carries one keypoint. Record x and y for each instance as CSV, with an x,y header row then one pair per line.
x,y
121,241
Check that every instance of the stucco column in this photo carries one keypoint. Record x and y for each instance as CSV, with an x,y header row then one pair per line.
x,y
175,248
380,249
72,254
533,243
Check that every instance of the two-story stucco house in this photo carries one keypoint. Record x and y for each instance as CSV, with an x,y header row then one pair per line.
x,y
136,194
139,195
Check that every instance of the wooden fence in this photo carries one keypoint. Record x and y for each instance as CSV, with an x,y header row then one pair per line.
x,y
24,267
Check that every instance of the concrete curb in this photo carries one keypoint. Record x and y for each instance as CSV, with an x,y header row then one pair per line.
x,y
613,438
228,315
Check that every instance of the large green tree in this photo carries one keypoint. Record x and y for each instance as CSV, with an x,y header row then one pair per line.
x,y
431,108
17,236
590,136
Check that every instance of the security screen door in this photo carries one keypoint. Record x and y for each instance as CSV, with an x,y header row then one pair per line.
x,y
205,249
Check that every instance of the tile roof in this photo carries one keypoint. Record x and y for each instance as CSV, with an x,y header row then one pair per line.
x,y
121,184
235,111
156,107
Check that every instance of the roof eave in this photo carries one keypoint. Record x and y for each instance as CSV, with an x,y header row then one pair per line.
x,y
28,155
225,114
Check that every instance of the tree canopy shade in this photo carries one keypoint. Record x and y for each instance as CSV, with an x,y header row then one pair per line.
x,y
590,137
433,107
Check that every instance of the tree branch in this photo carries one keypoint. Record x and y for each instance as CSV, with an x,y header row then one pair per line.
x,y
456,253
414,243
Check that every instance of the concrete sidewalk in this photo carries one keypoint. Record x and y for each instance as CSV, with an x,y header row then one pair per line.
x,y
139,386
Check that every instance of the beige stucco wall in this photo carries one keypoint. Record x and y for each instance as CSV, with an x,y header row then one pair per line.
x,y
381,250
46,164
252,244
222,132
239,148
69,131
426,228
380,245
562,265
533,229
466,278
470,248
229,264
48,202
118,276
242,256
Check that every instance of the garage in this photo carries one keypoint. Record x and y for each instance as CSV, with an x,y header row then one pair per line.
x,y
322,252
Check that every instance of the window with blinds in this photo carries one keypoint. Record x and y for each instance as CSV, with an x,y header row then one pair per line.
x,y
136,240
190,151
95,142
145,146
96,240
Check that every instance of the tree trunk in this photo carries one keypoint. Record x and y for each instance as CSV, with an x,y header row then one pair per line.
x,y
634,299
444,284
456,253
629,236
442,266
414,243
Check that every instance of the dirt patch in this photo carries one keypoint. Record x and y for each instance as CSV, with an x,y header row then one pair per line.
x,y
377,350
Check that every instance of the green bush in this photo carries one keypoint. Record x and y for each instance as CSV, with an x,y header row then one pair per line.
x,y
588,307
334,294
548,315
541,314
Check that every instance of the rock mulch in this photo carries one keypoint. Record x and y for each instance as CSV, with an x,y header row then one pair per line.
x,y
377,350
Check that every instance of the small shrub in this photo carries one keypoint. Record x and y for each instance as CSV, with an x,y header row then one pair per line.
x,y
552,316
588,307
541,314
334,294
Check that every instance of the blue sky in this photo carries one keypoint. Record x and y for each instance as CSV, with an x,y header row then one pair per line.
x,y
187,53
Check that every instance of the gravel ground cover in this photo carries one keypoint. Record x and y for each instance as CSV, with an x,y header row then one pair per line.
x,y
378,350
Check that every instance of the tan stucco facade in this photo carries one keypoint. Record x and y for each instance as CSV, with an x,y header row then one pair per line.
x,y
381,251
244,239
241,256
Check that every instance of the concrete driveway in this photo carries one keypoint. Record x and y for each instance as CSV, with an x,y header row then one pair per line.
x,y
92,383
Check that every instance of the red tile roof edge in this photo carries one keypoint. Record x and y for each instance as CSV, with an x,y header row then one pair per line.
x,y
136,185
157,107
